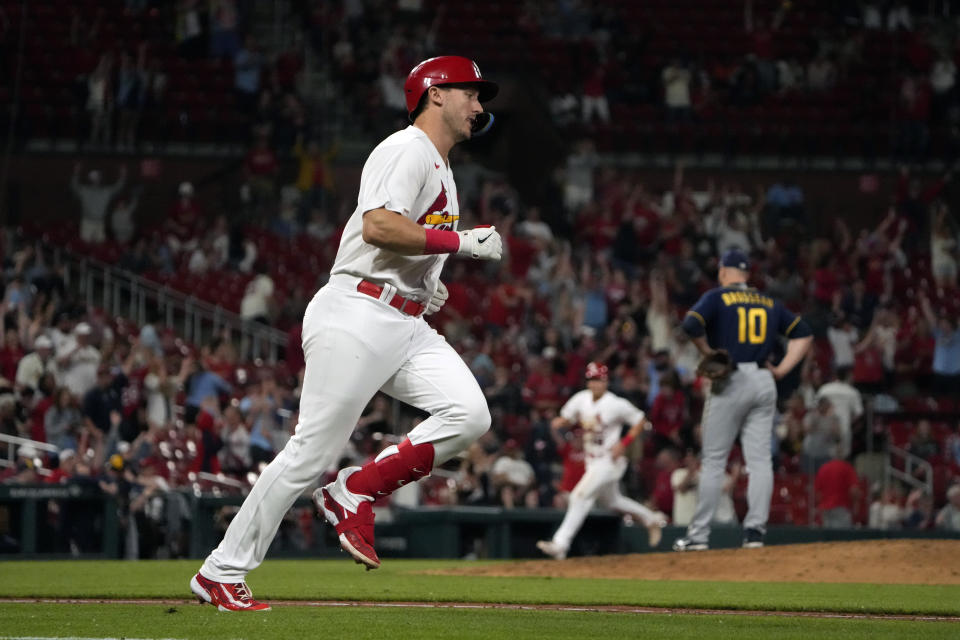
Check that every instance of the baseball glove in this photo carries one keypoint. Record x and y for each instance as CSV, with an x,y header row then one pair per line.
x,y
717,367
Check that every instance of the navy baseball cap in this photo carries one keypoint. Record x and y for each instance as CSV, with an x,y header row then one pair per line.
x,y
736,259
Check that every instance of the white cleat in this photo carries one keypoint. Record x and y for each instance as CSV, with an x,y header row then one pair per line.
x,y
655,529
552,549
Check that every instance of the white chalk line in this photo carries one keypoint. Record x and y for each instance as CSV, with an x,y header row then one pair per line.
x,y
508,606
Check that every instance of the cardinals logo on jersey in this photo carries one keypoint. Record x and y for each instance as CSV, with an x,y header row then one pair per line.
x,y
435,216
593,429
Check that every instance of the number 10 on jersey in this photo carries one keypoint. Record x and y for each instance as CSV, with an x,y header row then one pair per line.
x,y
753,325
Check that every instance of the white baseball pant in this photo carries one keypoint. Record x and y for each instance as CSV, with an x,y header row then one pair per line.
x,y
600,484
354,345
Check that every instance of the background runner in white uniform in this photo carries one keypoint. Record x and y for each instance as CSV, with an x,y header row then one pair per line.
x,y
364,332
602,415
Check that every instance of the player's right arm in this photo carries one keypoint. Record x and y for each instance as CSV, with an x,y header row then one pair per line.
x,y
390,186
800,338
568,414
391,231
698,318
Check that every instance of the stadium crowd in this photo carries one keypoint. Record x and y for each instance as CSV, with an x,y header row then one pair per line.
x,y
603,268
607,276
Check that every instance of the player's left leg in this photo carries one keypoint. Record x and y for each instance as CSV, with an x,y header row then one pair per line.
x,y
756,441
722,418
344,368
435,379
654,521
598,474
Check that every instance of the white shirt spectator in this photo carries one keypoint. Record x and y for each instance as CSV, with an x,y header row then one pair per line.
x,y
676,87
537,229
842,341
943,75
78,361
159,407
61,340
887,341
821,74
391,91
517,471
564,108
729,237
847,406
578,179
121,221
660,328
687,357
33,365
685,502
885,515
944,264
199,263
237,443
80,371
872,19
256,299
789,75
949,516
899,17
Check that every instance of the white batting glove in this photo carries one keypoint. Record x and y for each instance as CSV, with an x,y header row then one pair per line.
x,y
481,243
438,300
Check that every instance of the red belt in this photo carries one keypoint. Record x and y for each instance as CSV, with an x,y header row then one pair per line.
x,y
401,304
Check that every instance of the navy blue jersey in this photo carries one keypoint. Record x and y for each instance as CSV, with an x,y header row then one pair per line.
x,y
743,321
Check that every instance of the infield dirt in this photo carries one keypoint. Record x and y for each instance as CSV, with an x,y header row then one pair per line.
x,y
870,561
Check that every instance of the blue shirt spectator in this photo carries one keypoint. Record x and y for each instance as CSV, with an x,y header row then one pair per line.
x,y
784,195
247,64
595,309
260,430
205,384
946,348
946,351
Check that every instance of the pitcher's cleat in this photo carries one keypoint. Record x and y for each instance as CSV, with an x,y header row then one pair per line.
x,y
752,539
686,544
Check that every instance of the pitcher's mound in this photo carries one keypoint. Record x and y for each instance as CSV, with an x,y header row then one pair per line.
x,y
869,561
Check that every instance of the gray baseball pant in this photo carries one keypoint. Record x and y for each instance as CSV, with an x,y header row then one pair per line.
x,y
746,406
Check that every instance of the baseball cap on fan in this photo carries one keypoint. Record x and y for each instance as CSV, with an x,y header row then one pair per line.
x,y
596,371
736,259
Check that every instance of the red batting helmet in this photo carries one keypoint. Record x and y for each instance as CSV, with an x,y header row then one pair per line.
x,y
596,371
444,70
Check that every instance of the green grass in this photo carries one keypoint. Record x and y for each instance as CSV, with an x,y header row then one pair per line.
x,y
196,622
400,580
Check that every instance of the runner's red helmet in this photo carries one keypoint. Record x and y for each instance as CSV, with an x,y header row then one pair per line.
x,y
597,371
444,70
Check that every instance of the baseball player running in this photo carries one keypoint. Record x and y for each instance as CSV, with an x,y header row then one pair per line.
x,y
602,415
737,324
364,331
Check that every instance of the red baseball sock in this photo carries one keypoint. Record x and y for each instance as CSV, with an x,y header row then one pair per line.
x,y
410,463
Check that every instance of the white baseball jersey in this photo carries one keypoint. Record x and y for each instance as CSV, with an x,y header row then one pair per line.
x,y
602,419
404,173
